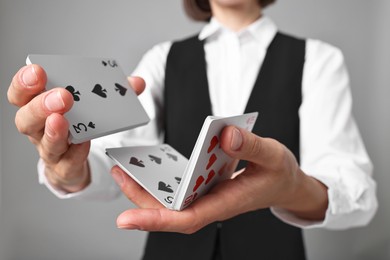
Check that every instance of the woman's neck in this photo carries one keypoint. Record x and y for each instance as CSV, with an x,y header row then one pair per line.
x,y
236,17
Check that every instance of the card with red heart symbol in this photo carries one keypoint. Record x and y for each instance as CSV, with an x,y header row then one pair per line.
x,y
172,179
101,93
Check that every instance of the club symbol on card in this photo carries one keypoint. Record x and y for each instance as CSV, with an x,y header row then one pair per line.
x,y
213,143
111,63
155,159
121,89
178,180
164,187
75,93
92,125
172,156
212,160
99,90
136,162
199,181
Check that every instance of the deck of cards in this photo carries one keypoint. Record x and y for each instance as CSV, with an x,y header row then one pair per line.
x,y
171,178
104,102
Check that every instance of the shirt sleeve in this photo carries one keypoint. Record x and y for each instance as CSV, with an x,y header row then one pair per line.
x,y
102,187
332,150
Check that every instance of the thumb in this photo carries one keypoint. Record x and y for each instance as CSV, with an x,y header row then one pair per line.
x,y
241,144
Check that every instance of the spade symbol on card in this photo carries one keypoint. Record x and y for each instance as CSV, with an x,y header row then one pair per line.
x,y
91,125
164,187
165,149
213,143
155,159
178,180
121,89
199,181
137,162
75,94
172,156
99,90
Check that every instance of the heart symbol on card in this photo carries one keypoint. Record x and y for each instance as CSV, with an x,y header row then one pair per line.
x,y
222,169
210,176
137,162
199,181
164,187
212,160
155,159
213,143
99,90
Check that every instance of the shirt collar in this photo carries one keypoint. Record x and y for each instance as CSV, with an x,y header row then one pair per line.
x,y
263,30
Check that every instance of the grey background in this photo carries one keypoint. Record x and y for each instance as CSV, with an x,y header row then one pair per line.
x,y
36,225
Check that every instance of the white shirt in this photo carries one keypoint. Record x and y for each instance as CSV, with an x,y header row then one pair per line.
x,y
331,149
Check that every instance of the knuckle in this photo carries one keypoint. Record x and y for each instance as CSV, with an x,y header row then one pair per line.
x,y
21,126
12,99
255,147
190,230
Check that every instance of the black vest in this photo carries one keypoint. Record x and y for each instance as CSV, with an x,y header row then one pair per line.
x,y
277,97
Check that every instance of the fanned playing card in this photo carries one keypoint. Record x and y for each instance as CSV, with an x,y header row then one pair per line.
x,y
172,179
104,102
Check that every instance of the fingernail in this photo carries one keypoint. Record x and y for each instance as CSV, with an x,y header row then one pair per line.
x,y
129,226
118,177
54,101
29,77
236,140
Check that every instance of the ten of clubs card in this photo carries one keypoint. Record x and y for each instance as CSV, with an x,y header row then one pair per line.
x,y
104,102
171,178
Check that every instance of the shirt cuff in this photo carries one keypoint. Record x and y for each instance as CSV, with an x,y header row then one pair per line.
x,y
101,187
347,207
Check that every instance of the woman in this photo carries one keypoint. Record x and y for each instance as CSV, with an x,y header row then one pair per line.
x,y
307,165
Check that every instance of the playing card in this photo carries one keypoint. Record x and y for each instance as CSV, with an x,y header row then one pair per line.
x,y
158,169
104,102
208,164
172,179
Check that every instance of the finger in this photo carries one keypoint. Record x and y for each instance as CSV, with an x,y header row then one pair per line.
x,y
133,191
161,219
222,203
54,142
137,83
28,82
242,144
30,119
71,172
